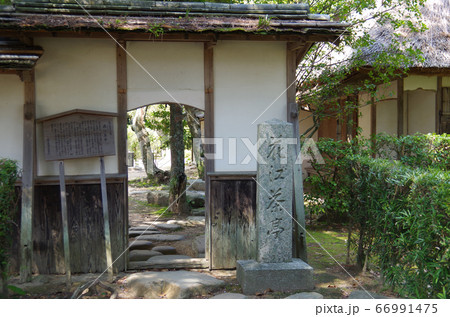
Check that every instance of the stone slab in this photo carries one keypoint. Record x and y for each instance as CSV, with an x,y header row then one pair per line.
x,y
142,255
165,249
147,237
163,237
198,212
255,277
274,192
199,246
142,228
133,234
172,284
229,296
197,184
167,226
306,295
140,245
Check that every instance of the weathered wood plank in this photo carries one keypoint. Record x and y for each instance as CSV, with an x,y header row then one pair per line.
x,y
65,223
29,136
106,225
246,220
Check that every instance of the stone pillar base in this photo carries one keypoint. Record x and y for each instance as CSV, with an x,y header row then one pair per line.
x,y
256,277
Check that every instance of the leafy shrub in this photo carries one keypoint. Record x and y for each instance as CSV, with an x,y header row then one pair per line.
x,y
8,176
398,202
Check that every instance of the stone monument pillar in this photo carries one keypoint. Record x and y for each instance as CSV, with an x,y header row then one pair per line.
x,y
274,267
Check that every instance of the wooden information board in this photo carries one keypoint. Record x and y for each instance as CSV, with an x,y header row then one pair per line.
x,y
78,136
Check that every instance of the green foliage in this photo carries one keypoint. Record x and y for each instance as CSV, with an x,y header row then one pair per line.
x,y
158,119
5,2
8,177
398,202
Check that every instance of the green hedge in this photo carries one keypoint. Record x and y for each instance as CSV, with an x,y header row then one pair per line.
x,y
8,177
399,203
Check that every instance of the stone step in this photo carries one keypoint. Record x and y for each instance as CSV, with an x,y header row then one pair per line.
x,y
132,234
165,249
167,226
142,255
162,237
169,262
173,284
140,245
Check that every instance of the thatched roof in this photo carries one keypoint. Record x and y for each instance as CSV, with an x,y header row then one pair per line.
x,y
144,16
434,42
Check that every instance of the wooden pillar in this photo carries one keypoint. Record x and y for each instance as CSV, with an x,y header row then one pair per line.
x,y
122,151
373,116
400,107
209,133
29,134
438,107
298,207
122,105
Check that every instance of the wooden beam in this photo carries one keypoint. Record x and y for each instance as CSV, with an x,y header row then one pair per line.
x,y
302,52
208,55
298,207
106,224
400,100
65,223
29,136
174,36
438,106
122,106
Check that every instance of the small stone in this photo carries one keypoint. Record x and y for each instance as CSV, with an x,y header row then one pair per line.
x,y
229,296
165,249
142,255
159,197
167,226
140,245
196,219
362,294
196,199
198,212
197,184
306,295
199,246
163,237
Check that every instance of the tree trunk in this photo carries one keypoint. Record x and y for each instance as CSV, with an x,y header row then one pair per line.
x,y
177,196
143,136
196,132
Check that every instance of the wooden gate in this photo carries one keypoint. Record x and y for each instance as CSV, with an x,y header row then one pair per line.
x,y
233,223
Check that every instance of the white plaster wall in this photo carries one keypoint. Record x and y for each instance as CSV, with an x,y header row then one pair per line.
x,y
250,83
11,117
386,91
446,81
165,72
414,82
421,109
364,110
75,73
387,117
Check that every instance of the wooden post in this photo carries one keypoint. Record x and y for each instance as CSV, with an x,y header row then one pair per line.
x,y
65,223
400,107
373,116
29,134
109,262
122,109
438,107
298,207
208,53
